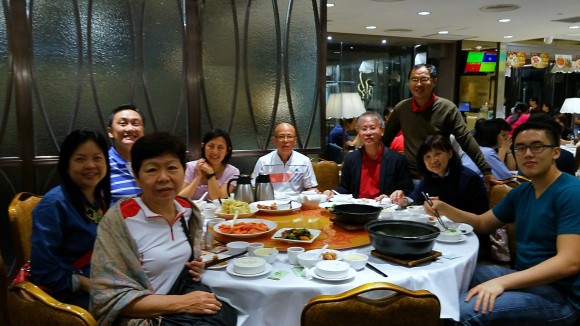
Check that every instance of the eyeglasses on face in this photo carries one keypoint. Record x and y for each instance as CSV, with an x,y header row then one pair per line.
x,y
535,148
285,137
423,80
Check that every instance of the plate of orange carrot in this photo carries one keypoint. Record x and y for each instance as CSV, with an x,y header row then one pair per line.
x,y
246,228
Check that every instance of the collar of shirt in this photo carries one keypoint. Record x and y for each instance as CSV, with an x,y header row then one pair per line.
x,y
417,108
180,210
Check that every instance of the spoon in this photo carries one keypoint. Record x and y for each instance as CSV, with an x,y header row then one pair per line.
x,y
203,196
322,250
234,221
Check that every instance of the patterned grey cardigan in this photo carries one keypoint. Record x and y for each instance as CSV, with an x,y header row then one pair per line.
x,y
117,277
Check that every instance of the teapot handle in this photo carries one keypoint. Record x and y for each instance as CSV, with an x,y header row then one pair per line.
x,y
229,183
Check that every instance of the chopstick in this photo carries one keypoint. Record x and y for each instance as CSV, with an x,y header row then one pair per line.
x,y
376,270
219,261
437,215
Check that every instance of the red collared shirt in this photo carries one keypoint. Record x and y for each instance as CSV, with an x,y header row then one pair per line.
x,y
370,175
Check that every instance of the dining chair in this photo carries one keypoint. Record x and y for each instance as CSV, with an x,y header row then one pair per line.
x,y
3,292
30,305
378,303
327,174
577,157
496,194
20,214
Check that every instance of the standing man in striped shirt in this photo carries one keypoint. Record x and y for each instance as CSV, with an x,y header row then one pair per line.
x,y
125,127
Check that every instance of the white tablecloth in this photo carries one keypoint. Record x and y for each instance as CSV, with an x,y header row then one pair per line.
x,y
263,301
569,148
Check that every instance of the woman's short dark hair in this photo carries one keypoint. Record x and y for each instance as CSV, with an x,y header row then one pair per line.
x,y
215,133
436,141
67,149
486,133
521,107
154,145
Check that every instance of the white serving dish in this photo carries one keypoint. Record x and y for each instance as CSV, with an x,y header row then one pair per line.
x,y
271,226
249,265
278,235
332,269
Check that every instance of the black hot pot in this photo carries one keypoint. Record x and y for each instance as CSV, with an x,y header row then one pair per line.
x,y
402,238
356,214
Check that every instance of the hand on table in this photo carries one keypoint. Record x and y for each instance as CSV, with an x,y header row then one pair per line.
x,y
196,267
485,295
398,197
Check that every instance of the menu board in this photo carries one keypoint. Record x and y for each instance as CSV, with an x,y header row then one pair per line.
x,y
540,60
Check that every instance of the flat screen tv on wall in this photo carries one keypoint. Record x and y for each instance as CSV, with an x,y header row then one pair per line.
x,y
480,62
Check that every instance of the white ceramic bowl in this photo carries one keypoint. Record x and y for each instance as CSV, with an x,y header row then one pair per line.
x,y
269,254
332,269
416,210
309,258
237,247
249,265
450,235
311,201
356,260
283,205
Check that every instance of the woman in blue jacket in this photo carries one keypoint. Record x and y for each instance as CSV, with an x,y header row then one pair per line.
x,y
65,220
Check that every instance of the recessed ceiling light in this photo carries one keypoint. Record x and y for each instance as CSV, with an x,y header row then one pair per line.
x,y
574,27
352,47
443,32
505,20
423,13
329,38
330,4
508,36
371,27
384,41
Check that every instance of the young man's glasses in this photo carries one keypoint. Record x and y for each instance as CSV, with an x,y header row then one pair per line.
x,y
534,148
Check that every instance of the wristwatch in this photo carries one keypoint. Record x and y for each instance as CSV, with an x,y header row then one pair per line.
x,y
209,175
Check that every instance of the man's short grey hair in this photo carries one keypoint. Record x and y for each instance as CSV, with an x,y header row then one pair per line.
x,y
372,115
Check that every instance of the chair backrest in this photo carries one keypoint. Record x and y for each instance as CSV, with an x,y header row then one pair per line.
x,y
29,305
20,213
3,292
400,307
496,194
327,174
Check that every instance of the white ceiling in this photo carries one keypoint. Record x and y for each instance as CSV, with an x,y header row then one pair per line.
x,y
462,18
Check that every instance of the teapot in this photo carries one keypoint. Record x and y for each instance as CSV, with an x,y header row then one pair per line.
x,y
244,190
264,188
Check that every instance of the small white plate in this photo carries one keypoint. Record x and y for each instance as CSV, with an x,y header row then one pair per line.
x,y
278,235
462,227
351,274
209,257
271,226
294,207
463,238
230,270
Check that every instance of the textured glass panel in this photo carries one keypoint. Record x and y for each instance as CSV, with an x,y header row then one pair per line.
x,y
8,139
219,64
56,62
302,59
112,61
163,61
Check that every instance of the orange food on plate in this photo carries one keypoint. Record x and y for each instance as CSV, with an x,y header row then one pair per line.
x,y
272,206
560,61
244,228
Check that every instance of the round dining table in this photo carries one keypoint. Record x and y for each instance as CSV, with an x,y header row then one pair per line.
x,y
277,298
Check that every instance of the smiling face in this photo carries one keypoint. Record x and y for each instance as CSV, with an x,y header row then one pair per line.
x,y
215,150
535,165
87,166
284,139
370,130
161,179
125,129
421,85
437,161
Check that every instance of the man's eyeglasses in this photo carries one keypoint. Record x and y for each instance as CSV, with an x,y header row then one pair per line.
x,y
534,148
285,137
423,80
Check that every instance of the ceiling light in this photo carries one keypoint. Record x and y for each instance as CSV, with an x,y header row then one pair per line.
x,y
508,36
574,27
329,38
371,27
384,41
423,13
443,32
330,4
505,20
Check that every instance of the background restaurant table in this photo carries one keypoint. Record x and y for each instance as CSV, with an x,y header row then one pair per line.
x,y
264,301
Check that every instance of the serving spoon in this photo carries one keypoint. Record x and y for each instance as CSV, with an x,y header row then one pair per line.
x,y
234,221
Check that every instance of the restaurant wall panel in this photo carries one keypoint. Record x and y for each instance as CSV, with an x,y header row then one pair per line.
x,y
189,65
